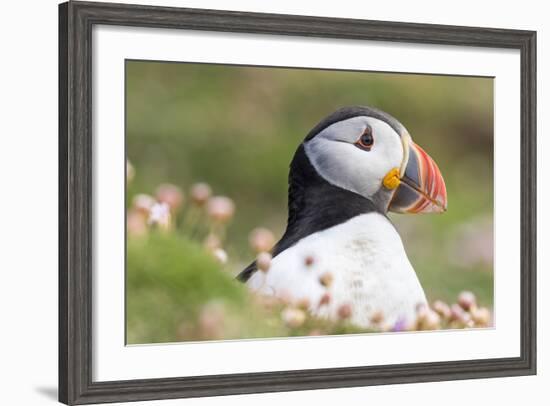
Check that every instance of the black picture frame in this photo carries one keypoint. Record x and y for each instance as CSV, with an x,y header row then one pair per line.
x,y
76,20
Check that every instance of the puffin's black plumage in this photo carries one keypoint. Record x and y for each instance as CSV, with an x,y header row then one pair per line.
x,y
313,203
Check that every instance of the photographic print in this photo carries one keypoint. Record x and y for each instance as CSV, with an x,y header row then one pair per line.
x,y
270,202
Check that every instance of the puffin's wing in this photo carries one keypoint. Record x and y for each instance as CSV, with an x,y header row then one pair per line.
x,y
247,272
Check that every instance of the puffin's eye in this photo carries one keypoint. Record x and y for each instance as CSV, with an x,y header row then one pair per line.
x,y
366,141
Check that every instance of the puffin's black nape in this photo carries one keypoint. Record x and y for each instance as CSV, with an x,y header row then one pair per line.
x,y
313,205
346,113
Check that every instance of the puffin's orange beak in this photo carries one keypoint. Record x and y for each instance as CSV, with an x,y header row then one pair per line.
x,y
421,188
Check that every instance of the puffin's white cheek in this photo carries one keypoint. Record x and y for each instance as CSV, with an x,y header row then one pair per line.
x,y
381,162
364,171
387,156
346,166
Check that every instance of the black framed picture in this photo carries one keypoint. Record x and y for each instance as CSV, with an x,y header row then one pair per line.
x,y
257,202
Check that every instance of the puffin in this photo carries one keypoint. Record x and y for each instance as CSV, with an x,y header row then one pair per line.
x,y
340,249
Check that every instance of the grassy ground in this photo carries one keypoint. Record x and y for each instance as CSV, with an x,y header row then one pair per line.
x,y
237,129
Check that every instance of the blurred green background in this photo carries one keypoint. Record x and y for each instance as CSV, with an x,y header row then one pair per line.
x,y
237,128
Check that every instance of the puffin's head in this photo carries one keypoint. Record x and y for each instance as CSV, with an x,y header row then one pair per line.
x,y
368,152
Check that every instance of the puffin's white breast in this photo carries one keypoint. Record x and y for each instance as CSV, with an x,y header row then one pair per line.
x,y
369,268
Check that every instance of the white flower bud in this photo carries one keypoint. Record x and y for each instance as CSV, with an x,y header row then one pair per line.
x,y
171,195
466,300
130,172
344,311
220,255
220,209
261,239
263,261
292,317
326,279
143,203
200,193
160,215
481,316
